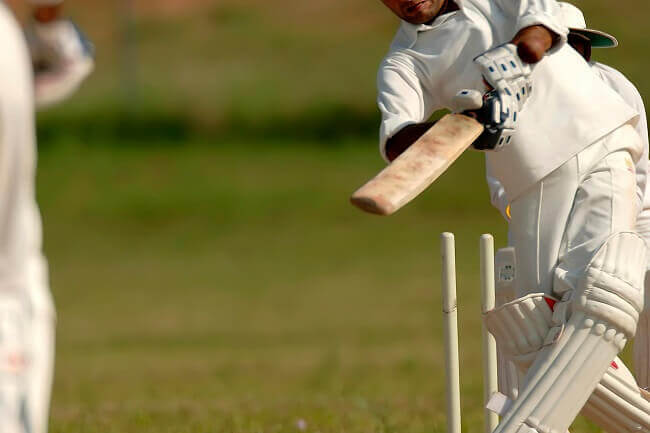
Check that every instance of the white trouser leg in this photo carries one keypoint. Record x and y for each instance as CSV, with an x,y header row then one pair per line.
x,y
43,325
22,271
568,215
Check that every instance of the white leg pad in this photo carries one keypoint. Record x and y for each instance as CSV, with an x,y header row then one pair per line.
x,y
521,327
27,331
642,341
508,376
14,360
617,405
603,314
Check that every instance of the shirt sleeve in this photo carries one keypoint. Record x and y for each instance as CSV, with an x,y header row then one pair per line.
x,y
497,193
528,13
402,100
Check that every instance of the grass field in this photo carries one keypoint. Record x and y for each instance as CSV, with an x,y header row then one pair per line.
x,y
209,274
199,290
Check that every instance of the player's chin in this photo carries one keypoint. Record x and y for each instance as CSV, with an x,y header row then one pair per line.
x,y
423,14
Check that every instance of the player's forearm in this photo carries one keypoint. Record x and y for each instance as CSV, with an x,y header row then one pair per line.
x,y
533,42
531,13
404,138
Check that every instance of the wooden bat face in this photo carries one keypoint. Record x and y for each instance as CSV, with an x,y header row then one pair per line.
x,y
419,166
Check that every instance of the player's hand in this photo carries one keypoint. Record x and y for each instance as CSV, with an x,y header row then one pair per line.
x,y
533,42
487,109
62,57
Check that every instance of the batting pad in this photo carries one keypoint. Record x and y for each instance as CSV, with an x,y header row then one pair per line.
x,y
617,405
521,327
508,375
642,341
603,313
14,358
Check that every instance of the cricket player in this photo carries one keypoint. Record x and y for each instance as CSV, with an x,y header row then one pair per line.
x,y
563,145
583,40
27,316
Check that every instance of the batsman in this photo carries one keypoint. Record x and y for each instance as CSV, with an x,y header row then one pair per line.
x,y
564,147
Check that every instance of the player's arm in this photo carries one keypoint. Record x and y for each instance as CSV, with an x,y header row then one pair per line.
x,y
404,138
534,42
404,104
537,28
61,54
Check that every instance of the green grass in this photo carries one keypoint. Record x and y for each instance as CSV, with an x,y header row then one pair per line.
x,y
231,288
210,275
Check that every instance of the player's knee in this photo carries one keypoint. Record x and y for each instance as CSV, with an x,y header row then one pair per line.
x,y
611,289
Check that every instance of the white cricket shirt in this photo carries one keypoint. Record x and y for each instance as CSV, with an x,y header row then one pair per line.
x,y
619,83
570,107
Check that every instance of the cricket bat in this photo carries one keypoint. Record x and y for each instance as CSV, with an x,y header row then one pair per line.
x,y
419,166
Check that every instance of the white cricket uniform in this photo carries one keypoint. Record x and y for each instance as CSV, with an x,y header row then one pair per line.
x,y
617,81
569,175
571,110
23,269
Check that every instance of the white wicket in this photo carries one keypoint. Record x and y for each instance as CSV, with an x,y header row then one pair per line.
x,y
490,383
450,313
450,317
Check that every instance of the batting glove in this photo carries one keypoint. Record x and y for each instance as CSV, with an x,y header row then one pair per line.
x,y
62,57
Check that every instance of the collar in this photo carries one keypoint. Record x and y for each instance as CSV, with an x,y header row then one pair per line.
x,y
411,31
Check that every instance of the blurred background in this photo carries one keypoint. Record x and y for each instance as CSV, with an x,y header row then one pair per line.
x,y
209,273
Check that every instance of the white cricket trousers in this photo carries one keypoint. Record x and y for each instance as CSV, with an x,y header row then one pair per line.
x,y
559,223
23,270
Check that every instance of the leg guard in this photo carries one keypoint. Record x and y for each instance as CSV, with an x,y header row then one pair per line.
x,y
603,314
42,338
617,404
14,360
506,274
27,325
642,341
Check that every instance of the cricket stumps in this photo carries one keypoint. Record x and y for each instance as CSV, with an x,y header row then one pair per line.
x,y
450,318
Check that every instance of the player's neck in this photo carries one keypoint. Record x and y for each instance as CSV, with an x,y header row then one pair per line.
x,y
449,6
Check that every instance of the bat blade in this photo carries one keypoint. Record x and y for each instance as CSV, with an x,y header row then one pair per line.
x,y
419,166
